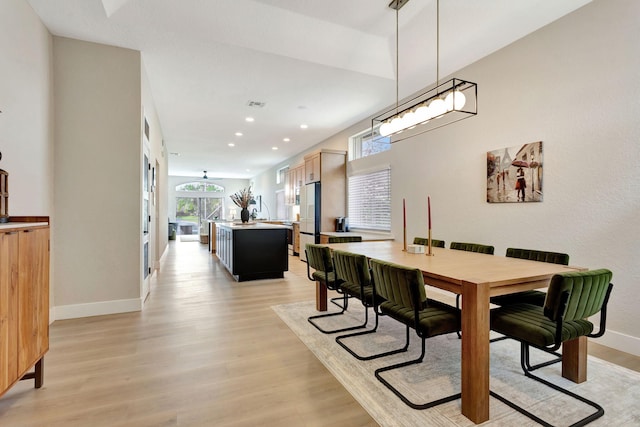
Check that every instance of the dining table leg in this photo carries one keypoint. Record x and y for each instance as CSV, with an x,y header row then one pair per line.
x,y
574,359
475,352
321,296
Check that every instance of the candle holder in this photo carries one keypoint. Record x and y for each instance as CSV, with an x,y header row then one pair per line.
x,y
429,251
404,232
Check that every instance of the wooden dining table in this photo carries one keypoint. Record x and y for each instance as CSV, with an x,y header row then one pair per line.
x,y
477,277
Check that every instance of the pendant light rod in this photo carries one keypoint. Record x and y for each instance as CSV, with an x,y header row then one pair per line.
x,y
397,60
445,103
437,42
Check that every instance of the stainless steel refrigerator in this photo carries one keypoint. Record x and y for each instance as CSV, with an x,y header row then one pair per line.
x,y
309,216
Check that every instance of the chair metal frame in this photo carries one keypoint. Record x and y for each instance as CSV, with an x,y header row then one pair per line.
x,y
526,366
534,255
372,304
328,268
415,296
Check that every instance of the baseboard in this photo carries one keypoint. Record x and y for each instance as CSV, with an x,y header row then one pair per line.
x,y
75,311
620,341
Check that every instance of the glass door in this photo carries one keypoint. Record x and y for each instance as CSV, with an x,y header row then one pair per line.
x,y
193,212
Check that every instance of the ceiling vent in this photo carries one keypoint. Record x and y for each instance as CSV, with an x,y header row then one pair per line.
x,y
256,104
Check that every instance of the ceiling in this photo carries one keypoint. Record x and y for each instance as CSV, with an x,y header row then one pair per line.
x,y
324,63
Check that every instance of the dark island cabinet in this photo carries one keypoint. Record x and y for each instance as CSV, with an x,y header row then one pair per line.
x,y
253,251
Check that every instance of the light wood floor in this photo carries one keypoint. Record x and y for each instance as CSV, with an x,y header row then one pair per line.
x,y
205,351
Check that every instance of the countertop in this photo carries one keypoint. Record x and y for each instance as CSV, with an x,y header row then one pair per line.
x,y
6,225
250,225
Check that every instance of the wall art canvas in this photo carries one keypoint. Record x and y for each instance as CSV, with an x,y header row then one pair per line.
x,y
514,174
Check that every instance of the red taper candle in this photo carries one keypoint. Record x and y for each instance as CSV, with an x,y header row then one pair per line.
x,y
404,214
429,210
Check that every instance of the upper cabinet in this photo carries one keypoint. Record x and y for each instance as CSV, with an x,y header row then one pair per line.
x,y
312,168
293,181
330,168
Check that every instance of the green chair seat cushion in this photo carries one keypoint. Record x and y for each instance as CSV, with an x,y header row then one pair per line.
x,y
526,297
353,289
436,319
323,277
527,322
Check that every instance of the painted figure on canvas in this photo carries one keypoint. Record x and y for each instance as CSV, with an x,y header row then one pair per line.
x,y
514,174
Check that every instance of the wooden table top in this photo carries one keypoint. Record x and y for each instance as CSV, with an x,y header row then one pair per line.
x,y
449,268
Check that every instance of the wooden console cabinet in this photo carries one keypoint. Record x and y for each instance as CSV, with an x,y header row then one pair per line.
x,y
24,299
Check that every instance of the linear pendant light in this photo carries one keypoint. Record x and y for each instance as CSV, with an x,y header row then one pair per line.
x,y
446,103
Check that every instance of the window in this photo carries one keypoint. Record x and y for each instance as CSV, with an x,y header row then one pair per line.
x,y
200,186
280,174
370,200
368,143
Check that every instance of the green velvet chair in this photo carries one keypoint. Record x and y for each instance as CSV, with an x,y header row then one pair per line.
x,y
424,241
319,259
405,300
533,296
470,247
344,239
571,298
354,274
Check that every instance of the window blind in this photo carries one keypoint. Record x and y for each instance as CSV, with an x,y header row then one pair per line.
x,y
370,200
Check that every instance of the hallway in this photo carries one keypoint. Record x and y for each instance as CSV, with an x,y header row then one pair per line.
x,y
205,351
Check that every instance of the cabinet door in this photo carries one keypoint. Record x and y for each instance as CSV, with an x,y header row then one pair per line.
x,y
8,309
33,296
296,239
312,169
289,187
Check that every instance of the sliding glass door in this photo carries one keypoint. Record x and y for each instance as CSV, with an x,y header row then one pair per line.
x,y
193,212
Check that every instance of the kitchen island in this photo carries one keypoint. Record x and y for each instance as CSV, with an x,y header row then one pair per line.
x,y
253,250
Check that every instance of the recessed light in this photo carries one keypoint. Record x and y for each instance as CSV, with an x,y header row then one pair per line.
x,y
286,139
238,133
231,144
249,119
274,148
303,126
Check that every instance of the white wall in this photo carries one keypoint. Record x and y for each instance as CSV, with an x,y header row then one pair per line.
x,y
572,85
25,101
26,121
159,159
97,178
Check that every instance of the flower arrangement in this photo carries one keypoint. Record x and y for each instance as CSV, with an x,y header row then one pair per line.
x,y
242,198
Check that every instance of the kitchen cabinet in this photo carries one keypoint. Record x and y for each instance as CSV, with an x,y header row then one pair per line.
x,y
296,238
329,168
212,236
294,180
253,251
312,170
24,299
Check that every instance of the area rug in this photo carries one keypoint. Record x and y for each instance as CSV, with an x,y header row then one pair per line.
x,y
615,388
189,238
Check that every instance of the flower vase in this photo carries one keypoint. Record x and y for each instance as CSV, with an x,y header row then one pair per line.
x,y
244,215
